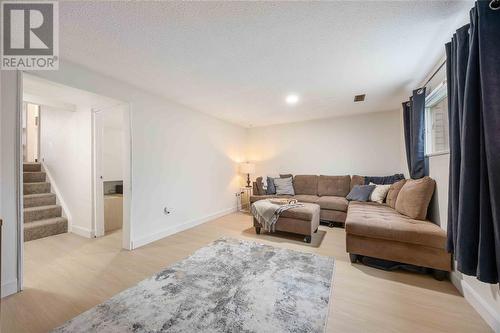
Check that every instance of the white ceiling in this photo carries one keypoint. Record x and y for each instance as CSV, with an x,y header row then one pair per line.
x,y
238,60
40,91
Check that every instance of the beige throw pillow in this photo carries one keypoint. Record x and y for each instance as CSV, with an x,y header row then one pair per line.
x,y
392,195
379,193
414,197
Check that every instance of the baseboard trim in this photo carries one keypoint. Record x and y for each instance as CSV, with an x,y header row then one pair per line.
x,y
9,288
178,228
490,316
80,231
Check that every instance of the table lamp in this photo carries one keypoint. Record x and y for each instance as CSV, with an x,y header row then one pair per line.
x,y
247,168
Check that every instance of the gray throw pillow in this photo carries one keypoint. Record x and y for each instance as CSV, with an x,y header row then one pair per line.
x,y
284,186
271,189
360,193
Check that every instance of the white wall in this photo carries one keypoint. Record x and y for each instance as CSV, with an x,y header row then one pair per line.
x,y
366,144
66,151
181,158
112,142
8,174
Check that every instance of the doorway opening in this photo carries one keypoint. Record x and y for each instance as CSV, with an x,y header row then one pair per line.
x,y
30,132
111,164
75,148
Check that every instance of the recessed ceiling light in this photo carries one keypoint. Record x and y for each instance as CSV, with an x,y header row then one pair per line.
x,y
291,99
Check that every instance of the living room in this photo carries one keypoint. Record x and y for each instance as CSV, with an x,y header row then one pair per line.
x,y
294,167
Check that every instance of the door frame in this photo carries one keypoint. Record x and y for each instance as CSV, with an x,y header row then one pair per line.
x,y
18,165
97,179
97,190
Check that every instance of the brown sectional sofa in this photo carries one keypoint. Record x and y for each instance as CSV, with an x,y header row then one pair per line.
x,y
373,229
328,192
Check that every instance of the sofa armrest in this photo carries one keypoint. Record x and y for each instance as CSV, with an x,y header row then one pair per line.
x,y
258,188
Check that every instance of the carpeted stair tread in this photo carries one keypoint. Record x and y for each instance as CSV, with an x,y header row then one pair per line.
x,y
45,228
34,177
39,195
41,212
32,167
34,188
39,199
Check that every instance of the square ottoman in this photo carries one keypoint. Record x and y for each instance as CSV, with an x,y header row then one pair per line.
x,y
302,220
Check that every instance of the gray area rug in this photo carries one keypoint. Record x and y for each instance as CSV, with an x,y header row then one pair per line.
x,y
228,286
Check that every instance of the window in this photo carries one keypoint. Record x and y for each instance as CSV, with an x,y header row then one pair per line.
x,y
436,121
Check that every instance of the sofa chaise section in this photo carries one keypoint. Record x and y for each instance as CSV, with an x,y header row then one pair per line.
x,y
377,230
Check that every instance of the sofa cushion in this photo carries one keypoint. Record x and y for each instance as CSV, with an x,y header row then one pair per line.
x,y
414,197
284,186
305,184
333,203
357,180
392,195
374,220
334,185
254,198
360,193
286,175
306,198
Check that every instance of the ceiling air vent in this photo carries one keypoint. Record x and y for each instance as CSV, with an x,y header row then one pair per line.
x,y
359,98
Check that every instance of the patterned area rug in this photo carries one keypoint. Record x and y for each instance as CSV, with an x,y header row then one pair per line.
x,y
228,286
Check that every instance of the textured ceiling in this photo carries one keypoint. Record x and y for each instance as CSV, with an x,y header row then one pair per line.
x,y
238,60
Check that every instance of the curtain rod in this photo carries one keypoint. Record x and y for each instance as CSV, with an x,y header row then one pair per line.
x,y
434,74
494,5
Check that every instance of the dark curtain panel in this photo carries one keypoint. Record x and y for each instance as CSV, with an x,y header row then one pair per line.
x,y
474,113
406,124
457,54
414,129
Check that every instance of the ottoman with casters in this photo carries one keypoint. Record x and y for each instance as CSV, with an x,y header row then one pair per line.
x,y
302,220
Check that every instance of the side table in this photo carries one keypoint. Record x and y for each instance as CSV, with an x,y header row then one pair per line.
x,y
244,199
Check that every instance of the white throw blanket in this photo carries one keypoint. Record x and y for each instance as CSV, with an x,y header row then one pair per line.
x,y
267,213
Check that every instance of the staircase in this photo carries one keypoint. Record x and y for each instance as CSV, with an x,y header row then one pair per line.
x,y
42,216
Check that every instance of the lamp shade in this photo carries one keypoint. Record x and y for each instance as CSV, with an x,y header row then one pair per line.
x,y
247,168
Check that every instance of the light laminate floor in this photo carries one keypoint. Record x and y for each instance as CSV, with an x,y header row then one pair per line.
x,y
67,274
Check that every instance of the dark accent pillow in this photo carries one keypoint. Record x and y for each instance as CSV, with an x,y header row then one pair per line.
x,y
360,193
287,175
271,189
385,180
